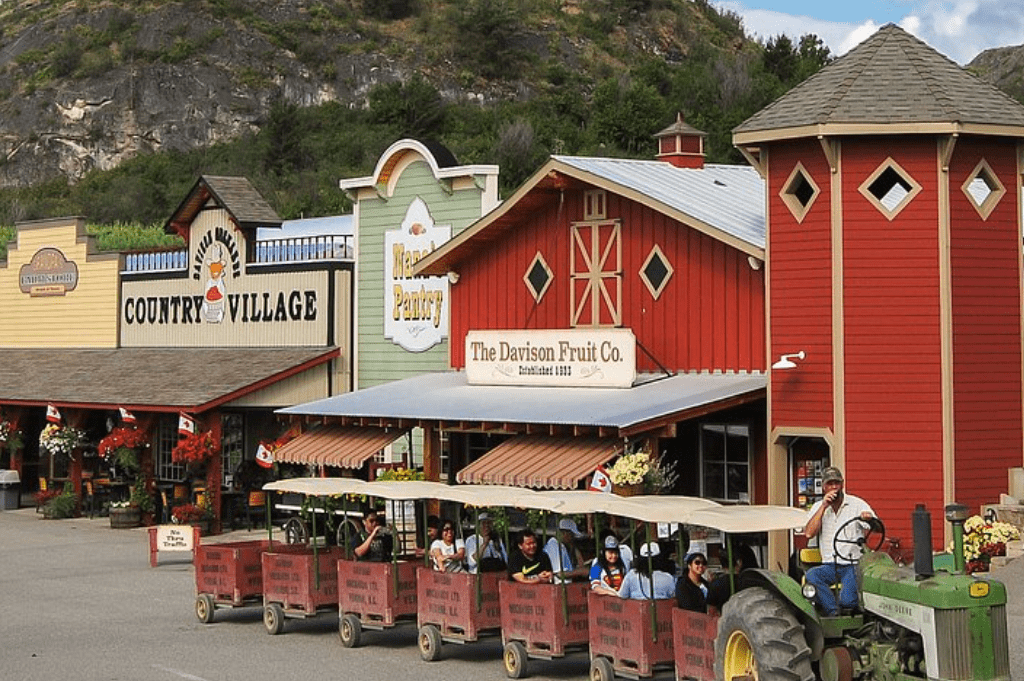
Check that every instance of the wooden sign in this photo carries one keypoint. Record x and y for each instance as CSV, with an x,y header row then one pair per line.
x,y
172,538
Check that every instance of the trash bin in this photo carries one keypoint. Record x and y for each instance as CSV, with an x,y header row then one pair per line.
x,y
10,490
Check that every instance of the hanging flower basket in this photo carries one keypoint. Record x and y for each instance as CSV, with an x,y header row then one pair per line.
x,y
61,439
628,490
195,448
121,446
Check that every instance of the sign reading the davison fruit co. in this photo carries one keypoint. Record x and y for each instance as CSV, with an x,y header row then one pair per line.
x,y
601,358
415,308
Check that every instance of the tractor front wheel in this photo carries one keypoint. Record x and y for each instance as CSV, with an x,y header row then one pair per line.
x,y
760,638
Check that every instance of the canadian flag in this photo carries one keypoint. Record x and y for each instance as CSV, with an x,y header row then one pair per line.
x,y
264,457
600,482
186,424
126,415
52,414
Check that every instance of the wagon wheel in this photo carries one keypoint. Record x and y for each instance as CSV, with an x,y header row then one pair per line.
x,y
843,548
353,531
273,619
760,638
295,531
350,629
204,608
601,669
515,660
430,643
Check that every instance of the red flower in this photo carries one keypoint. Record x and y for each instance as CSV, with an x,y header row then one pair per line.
x,y
194,448
129,438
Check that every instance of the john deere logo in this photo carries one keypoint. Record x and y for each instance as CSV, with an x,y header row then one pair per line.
x,y
48,274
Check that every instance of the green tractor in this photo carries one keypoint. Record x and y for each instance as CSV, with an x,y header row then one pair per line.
x,y
913,622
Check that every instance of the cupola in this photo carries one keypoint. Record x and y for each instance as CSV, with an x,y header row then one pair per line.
x,y
681,144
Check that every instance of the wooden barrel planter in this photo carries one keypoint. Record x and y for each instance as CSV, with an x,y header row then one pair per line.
x,y
122,518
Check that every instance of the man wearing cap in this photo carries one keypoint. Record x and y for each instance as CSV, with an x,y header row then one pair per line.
x,y
485,550
824,520
566,560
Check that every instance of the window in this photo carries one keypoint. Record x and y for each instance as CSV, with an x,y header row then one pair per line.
x,y
983,189
595,273
165,440
232,445
890,188
725,462
799,192
656,272
538,277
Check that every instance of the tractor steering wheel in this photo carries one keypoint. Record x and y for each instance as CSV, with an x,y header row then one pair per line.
x,y
875,527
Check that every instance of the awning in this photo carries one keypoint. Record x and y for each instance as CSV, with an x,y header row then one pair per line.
x,y
338,446
541,461
447,398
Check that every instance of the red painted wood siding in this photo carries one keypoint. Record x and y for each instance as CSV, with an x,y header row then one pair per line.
x,y
986,328
709,317
800,258
892,336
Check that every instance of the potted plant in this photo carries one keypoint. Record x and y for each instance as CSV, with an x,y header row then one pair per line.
x,y
10,436
61,439
197,515
121,447
63,505
984,540
195,448
124,515
636,473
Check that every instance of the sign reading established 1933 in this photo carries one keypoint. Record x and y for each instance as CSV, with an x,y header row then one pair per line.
x,y
598,358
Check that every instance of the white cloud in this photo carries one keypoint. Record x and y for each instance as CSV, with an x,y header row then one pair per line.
x,y
960,29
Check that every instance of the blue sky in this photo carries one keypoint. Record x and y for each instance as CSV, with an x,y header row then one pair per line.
x,y
960,29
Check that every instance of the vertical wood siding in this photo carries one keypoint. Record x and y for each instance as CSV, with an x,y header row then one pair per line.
x,y
892,335
800,258
986,328
709,317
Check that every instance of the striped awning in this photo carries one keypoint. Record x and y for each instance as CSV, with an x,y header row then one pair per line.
x,y
541,461
338,446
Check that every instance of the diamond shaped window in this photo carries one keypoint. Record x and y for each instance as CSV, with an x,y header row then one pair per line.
x,y
983,189
656,271
890,188
799,192
538,277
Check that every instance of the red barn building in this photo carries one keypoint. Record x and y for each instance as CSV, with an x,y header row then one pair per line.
x,y
894,264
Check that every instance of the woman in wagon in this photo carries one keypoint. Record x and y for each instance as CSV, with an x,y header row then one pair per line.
x,y
607,573
692,589
449,552
648,568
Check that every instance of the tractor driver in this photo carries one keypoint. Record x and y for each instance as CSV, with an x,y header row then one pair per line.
x,y
825,519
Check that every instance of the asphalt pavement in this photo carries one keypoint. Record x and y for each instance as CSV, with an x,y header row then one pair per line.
x,y
79,601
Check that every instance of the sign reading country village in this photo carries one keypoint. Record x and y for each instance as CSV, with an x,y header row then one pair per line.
x,y
602,358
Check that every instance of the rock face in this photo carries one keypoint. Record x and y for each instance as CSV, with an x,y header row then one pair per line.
x,y
85,90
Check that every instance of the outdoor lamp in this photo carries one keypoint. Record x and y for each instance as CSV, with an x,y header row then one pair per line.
x,y
786,361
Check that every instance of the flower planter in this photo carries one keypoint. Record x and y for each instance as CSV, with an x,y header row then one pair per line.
x,y
122,518
629,490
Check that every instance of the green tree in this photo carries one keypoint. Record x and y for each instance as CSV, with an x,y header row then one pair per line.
x,y
412,109
627,114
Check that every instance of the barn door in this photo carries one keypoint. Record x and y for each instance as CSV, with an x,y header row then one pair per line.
x,y
596,273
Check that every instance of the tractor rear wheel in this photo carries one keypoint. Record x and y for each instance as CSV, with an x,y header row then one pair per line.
x,y
760,638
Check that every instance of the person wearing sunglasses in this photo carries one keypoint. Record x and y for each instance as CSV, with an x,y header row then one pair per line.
x,y
691,587
449,552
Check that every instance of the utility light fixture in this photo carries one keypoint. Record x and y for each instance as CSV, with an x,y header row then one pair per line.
x,y
786,361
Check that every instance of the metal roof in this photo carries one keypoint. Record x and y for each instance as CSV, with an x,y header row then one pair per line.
x,y
892,78
728,198
448,397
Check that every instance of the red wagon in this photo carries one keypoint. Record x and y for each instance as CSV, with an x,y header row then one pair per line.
x,y
451,609
298,583
542,621
230,575
374,596
623,640
694,642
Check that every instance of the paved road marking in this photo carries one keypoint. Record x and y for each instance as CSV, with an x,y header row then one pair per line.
x,y
179,674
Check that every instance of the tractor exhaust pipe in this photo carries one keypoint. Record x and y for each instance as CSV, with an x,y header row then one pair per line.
x,y
924,567
956,514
